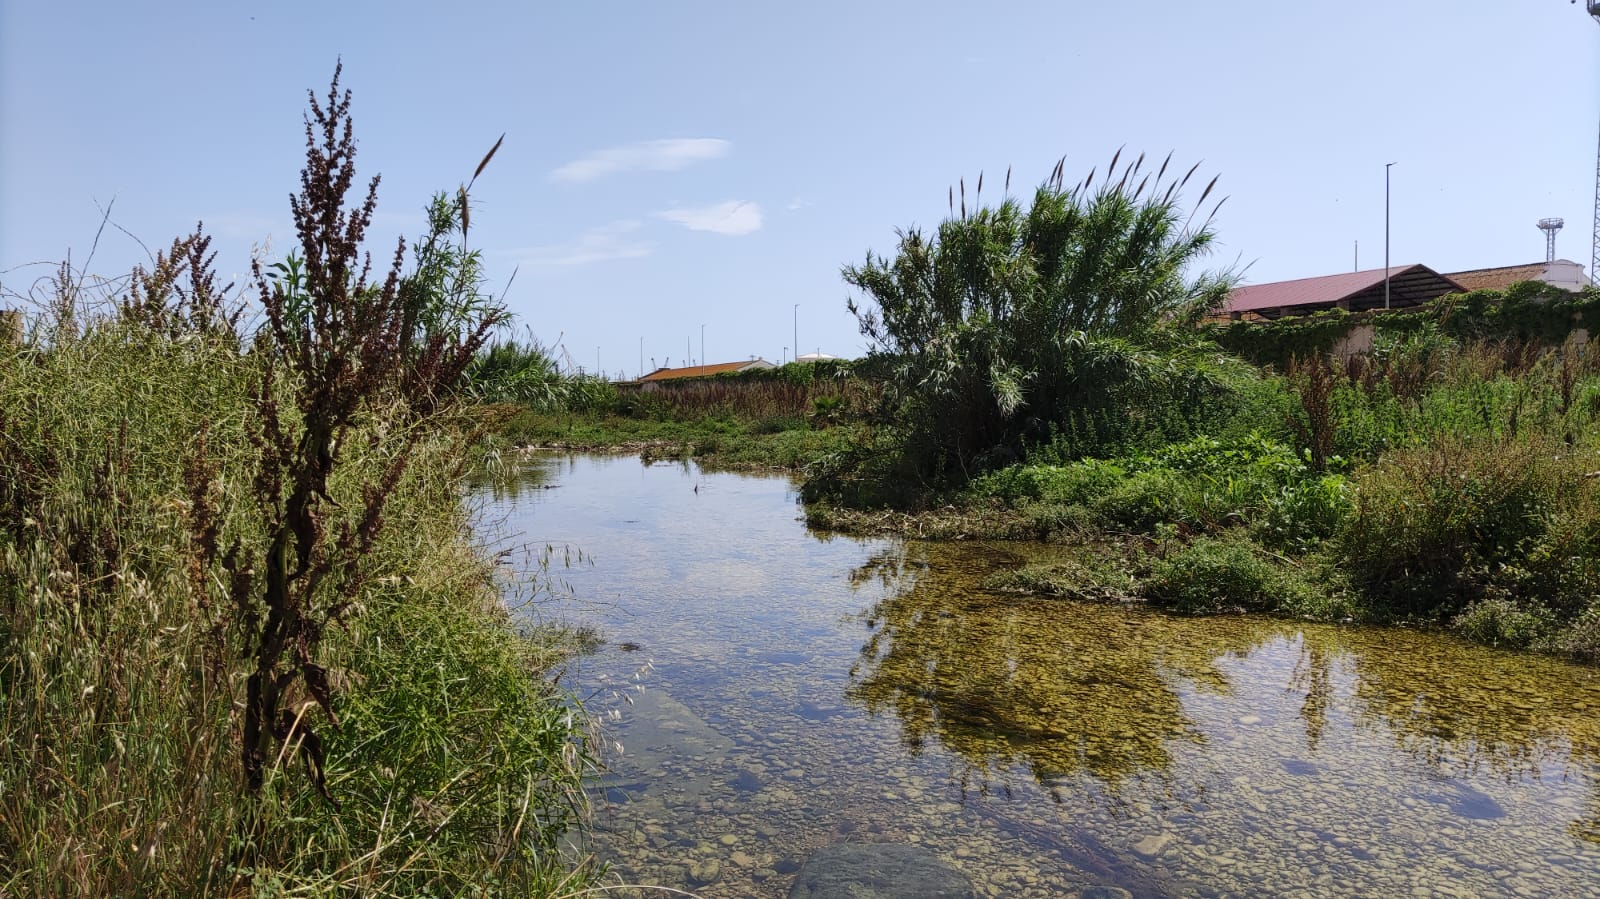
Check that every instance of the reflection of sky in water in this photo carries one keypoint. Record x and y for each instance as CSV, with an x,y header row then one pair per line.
x,y
807,691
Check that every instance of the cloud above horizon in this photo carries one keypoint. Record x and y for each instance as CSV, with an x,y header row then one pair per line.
x,y
649,156
733,218
614,240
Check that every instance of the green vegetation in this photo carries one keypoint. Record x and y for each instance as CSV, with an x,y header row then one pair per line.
x,y
1048,377
1531,311
1055,325
247,644
780,418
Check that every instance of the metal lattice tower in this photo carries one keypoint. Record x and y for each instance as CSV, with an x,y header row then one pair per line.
x,y
1594,242
1550,227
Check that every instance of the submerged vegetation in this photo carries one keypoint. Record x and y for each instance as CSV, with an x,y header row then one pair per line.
x,y
247,642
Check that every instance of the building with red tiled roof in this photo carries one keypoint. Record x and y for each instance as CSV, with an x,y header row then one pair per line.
x,y
1562,273
1408,285
703,371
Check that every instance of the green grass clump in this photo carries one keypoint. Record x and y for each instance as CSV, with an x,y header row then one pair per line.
x,y
247,643
1214,575
455,762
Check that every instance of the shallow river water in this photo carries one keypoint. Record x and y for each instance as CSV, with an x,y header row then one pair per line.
x,y
775,691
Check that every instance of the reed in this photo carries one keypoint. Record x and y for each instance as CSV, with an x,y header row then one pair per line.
x,y
247,640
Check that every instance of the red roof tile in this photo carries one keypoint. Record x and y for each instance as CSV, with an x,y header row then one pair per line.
x,y
1498,278
1330,290
696,371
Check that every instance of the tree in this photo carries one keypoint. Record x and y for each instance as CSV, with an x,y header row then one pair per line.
x,y
1011,326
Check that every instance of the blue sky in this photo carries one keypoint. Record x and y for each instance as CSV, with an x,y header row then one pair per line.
x,y
669,165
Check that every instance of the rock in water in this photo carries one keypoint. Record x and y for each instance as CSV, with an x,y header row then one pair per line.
x,y
878,871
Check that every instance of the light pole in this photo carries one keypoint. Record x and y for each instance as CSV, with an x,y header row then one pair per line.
x,y
1386,168
1594,241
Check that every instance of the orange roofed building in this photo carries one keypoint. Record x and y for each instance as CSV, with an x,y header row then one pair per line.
x,y
1409,285
703,371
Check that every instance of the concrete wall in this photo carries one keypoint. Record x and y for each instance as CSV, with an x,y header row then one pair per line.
x,y
1565,275
1356,342
10,326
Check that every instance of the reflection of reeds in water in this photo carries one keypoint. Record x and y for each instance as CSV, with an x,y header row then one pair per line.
x,y
1062,689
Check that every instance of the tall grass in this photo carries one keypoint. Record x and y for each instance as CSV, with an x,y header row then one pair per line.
x,y
183,709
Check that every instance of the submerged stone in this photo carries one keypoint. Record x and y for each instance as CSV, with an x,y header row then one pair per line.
x,y
879,871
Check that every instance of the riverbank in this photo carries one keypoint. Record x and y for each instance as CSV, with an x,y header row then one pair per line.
x,y
1441,484
789,691
724,441
125,478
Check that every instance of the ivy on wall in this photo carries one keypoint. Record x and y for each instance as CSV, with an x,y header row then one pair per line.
x,y
1528,311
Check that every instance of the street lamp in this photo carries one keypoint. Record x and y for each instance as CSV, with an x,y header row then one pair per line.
x,y
1386,168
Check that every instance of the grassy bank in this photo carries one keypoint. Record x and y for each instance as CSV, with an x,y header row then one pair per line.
x,y
454,762
720,441
1438,482
1047,377
248,644
780,419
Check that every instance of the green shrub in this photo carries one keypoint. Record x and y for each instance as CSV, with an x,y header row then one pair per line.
x,y
1219,574
1075,483
1501,621
1211,575
1432,525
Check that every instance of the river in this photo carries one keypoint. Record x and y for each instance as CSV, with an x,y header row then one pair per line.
x,y
774,691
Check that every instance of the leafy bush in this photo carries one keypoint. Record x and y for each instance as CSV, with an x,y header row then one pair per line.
x,y
1433,525
1210,575
1013,326
1502,621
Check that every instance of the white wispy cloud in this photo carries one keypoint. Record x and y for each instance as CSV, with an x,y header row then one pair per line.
x,y
616,240
651,156
799,203
733,217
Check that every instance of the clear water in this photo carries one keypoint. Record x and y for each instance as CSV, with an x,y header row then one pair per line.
x,y
775,690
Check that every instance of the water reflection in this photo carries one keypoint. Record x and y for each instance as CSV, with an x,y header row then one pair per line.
x,y
989,681
1061,689
800,691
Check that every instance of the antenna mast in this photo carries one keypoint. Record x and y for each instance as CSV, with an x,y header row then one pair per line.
x,y
1594,242
1550,227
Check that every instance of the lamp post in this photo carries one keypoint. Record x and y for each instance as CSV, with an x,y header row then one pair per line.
x,y
1386,168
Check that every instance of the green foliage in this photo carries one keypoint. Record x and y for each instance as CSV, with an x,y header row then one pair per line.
x,y
1014,326
512,371
1210,575
1502,621
1203,484
118,668
247,644
1529,311
1437,526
